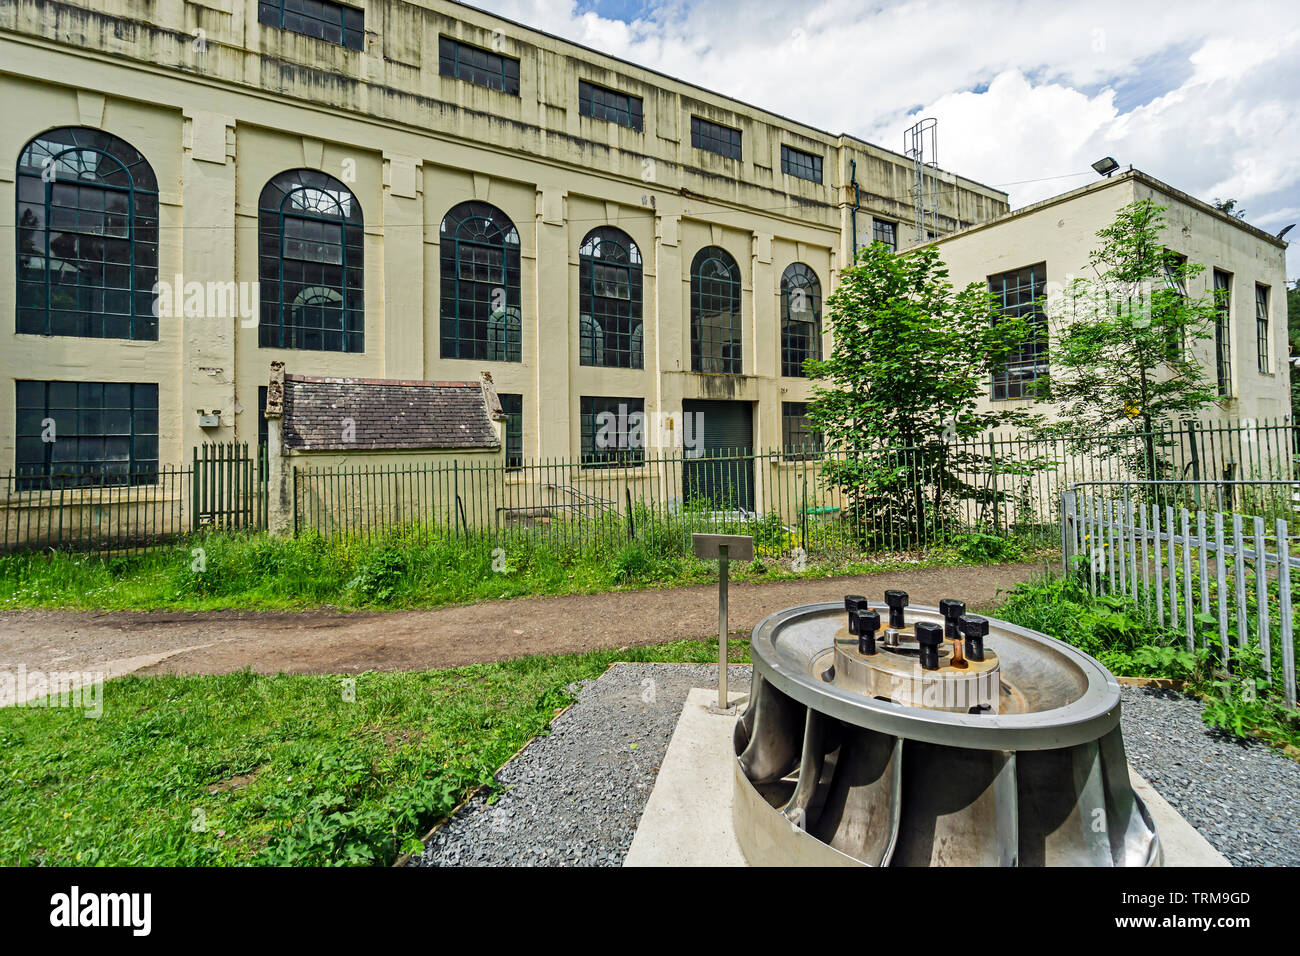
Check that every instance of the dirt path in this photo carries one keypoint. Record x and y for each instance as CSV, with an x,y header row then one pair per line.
x,y
333,642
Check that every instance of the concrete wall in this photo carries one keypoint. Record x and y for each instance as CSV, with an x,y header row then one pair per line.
x,y
219,104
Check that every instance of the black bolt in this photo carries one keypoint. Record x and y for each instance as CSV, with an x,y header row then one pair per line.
x,y
897,600
852,603
975,629
929,636
951,609
868,624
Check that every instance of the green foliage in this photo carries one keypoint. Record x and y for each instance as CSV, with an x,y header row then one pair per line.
x,y
1129,348
380,575
1239,700
421,567
909,367
977,547
285,770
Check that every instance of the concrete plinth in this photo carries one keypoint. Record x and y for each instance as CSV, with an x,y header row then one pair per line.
x,y
688,818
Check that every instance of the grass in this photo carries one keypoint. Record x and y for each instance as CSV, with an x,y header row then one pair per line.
x,y
246,769
249,769
400,571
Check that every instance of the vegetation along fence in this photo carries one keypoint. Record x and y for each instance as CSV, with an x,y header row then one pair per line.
x,y
224,487
901,498
896,498
1206,574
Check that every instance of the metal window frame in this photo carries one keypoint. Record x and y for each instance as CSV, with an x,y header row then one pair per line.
x,y
140,328
512,404
801,164
1223,331
350,23
502,334
625,116
1003,387
1261,328
85,471
275,328
715,138
793,355
605,311
884,226
500,72
733,328
589,407
794,423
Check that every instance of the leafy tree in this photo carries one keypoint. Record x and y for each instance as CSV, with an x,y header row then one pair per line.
x,y
1129,339
1230,207
896,401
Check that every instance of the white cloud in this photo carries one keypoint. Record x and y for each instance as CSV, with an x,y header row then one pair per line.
x,y
1221,86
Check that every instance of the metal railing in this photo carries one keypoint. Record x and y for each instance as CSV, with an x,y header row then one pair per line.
x,y
792,500
789,500
224,488
1196,572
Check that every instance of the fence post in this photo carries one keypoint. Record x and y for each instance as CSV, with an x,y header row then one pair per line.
x,y
1067,537
194,491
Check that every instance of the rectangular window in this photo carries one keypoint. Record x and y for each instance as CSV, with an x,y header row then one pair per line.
x,y
885,232
475,65
798,437
715,138
513,406
610,105
613,431
1261,327
798,163
322,19
1223,331
1174,283
74,434
1017,294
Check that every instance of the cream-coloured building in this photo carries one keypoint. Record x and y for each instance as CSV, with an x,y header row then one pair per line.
x,y
420,191
406,191
1036,252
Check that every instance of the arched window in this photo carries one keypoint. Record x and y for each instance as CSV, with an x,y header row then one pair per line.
x,y
480,285
87,221
801,318
609,299
310,263
715,312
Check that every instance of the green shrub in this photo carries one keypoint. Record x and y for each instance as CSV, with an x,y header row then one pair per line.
x,y
380,575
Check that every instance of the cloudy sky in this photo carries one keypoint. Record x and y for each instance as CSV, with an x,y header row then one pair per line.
x,y
1205,96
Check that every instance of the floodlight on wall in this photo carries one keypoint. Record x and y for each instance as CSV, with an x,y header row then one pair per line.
x,y
1106,166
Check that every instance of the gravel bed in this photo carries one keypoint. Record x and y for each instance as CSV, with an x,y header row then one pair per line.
x,y
1241,796
574,797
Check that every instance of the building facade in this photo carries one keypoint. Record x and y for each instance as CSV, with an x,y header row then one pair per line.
x,y
402,190
1036,252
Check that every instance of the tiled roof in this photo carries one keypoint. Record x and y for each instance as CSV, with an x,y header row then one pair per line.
x,y
385,415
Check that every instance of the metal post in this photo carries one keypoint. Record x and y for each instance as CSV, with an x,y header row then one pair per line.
x,y
722,629
722,547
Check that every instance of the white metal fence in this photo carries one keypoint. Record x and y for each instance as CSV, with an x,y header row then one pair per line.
x,y
1191,570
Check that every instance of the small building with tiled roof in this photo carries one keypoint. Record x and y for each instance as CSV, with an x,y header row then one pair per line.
x,y
366,414
364,430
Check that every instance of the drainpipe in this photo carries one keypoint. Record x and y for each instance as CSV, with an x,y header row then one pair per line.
x,y
857,204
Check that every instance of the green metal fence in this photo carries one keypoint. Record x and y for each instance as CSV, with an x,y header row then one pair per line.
x,y
223,488
998,485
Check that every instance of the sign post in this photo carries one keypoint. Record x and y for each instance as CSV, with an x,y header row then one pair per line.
x,y
722,548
